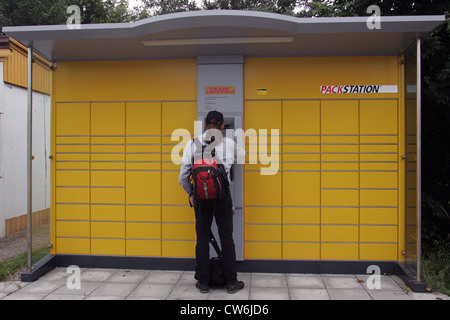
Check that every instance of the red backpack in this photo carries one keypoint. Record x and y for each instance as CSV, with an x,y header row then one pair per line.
x,y
208,177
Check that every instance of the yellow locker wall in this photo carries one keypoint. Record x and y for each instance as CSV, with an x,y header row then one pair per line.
x,y
336,196
116,188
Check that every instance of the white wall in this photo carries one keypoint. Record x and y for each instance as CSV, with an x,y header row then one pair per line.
x,y
13,141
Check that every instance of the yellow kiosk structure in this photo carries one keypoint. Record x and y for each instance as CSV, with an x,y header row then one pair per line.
x,y
340,102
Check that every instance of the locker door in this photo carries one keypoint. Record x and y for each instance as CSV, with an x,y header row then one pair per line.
x,y
379,180
72,178
301,179
108,178
178,218
143,178
262,193
339,179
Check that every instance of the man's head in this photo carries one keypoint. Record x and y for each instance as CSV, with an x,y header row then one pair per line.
x,y
214,120
214,123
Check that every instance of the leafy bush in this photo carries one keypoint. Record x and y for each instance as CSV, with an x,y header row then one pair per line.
x,y
436,268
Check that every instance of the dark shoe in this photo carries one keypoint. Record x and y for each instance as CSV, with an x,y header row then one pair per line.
x,y
203,288
235,287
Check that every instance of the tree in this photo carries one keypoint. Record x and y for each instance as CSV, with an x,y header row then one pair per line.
x,y
339,8
48,12
31,12
435,135
276,6
159,7
103,11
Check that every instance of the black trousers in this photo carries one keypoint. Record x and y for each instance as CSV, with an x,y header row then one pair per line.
x,y
223,212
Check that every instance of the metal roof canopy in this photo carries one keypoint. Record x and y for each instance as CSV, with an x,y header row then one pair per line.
x,y
199,33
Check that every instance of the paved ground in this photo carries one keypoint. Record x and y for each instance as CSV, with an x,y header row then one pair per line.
x,y
180,285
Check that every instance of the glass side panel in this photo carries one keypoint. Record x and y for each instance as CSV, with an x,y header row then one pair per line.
x,y
411,162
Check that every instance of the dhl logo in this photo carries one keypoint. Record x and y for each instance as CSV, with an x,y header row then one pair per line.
x,y
220,90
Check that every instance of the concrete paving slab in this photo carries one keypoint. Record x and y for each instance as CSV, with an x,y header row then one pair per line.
x,y
272,293
309,294
398,280
142,298
57,274
152,290
310,281
245,277
85,288
341,281
25,296
167,277
11,286
129,276
348,294
91,297
268,280
221,294
187,278
428,296
54,296
388,295
187,292
97,275
386,282
114,288
41,287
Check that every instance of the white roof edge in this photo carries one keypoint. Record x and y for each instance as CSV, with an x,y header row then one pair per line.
x,y
59,43
224,18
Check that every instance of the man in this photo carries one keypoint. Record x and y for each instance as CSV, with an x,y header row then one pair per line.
x,y
226,153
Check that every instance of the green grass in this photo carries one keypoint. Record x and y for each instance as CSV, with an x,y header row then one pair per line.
x,y
436,268
11,266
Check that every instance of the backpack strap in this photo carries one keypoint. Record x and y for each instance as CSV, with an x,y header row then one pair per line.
x,y
215,245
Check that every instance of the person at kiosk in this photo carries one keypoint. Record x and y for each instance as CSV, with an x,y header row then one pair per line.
x,y
225,151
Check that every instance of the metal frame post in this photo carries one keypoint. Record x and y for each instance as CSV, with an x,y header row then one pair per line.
x,y
419,163
29,155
